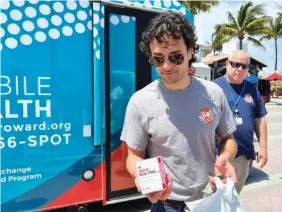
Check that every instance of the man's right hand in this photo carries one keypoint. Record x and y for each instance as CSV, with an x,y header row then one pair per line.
x,y
158,195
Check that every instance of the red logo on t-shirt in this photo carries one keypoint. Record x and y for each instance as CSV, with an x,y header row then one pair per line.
x,y
248,98
206,115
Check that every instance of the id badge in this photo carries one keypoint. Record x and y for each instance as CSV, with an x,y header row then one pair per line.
x,y
239,120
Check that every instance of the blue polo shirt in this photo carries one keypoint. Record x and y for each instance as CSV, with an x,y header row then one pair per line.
x,y
250,107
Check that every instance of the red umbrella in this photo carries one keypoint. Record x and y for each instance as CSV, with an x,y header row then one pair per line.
x,y
274,76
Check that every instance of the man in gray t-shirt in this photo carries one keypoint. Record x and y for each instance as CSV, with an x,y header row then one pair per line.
x,y
178,117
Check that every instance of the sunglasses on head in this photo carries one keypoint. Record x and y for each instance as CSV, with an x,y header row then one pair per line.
x,y
174,58
238,65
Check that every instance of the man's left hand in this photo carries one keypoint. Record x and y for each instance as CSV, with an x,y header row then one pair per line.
x,y
225,169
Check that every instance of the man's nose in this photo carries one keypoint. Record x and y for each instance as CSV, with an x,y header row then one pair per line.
x,y
167,65
240,68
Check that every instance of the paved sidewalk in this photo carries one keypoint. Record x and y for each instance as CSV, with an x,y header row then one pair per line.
x,y
263,189
275,101
264,199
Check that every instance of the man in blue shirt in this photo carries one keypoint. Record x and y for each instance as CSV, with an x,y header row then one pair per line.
x,y
249,111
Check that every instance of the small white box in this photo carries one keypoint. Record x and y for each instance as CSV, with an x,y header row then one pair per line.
x,y
151,175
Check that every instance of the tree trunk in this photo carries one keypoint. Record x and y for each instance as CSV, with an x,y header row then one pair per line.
x,y
241,43
275,66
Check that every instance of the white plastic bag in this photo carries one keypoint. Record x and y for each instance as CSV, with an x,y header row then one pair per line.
x,y
225,199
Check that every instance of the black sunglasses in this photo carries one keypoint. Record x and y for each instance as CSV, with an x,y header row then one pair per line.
x,y
237,65
175,58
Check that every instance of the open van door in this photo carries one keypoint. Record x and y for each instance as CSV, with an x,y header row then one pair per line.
x,y
126,71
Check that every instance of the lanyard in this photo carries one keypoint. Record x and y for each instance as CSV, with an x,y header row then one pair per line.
x,y
236,102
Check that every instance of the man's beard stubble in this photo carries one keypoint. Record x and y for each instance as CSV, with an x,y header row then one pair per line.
x,y
173,79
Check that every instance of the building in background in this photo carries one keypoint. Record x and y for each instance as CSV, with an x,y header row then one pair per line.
x,y
202,70
217,63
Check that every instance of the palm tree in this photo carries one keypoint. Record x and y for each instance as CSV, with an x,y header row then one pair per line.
x,y
249,23
199,6
273,30
280,13
215,45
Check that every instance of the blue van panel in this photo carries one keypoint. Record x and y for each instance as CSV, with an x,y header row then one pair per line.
x,y
46,98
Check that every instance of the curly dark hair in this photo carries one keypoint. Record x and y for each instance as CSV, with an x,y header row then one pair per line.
x,y
168,23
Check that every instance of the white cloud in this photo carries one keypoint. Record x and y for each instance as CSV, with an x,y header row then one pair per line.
x,y
205,23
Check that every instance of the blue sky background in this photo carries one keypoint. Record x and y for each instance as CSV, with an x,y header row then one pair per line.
x,y
205,23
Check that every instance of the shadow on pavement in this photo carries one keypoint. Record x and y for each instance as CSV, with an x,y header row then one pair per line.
x,y
256,175
139,205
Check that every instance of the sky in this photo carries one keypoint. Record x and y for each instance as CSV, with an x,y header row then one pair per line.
x,y
205,23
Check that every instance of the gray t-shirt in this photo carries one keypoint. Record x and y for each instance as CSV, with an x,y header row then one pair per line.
x,y
180,126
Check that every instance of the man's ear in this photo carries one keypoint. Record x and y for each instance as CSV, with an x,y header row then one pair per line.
x,y
190,53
